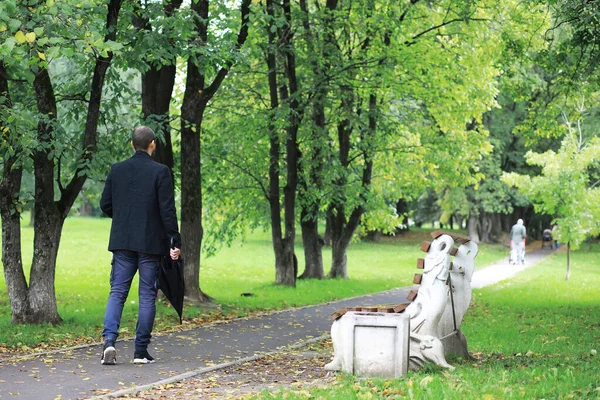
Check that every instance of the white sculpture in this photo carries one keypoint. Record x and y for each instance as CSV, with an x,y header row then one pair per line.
x,y
437,312
460,292
427,309
370,344
426,348
336,339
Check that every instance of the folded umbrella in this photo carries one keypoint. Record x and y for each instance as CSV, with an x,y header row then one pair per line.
x,y
170,281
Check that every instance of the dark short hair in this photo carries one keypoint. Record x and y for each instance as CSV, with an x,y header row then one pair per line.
x,y
142,137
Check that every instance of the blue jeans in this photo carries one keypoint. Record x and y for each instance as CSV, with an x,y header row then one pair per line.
x,y
124,266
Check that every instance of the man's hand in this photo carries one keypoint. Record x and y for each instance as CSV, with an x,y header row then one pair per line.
x,y
175,254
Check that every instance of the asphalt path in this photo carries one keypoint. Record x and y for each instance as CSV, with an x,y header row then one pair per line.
x,y
76,373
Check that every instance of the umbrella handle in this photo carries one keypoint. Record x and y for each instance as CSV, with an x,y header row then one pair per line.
x,y
172,242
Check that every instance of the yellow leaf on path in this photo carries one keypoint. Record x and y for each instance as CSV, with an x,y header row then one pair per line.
x,y
86,379
30,37
20,37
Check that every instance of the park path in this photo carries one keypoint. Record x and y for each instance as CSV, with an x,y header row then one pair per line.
x,y
76,373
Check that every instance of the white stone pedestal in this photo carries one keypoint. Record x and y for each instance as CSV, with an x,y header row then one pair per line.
x,y
374,344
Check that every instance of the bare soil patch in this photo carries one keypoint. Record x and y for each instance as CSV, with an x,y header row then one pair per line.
x,y
295,368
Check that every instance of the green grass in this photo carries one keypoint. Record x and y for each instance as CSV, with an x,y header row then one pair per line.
x,y
83,267
534,335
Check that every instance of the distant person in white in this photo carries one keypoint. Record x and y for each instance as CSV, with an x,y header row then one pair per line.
x,y
518,233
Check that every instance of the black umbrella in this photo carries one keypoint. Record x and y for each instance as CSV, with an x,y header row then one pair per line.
x,y
170,281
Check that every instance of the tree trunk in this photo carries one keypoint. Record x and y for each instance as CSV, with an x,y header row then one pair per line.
x,y
496,227
293,154
402,212
312,247
459,220
10,187
192,230
285,265
568,261
339,268
11,240
283,240
328,228
339,249
11,259
157,90
338,212
506,222
472,225
485,224
342,230
42,296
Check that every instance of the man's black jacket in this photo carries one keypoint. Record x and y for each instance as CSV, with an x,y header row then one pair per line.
x,y
138,196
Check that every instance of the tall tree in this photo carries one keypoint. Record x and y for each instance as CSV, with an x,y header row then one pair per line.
x,y
319,35
34,35
283,94
199,91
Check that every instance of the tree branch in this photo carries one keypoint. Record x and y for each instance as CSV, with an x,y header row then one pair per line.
x,y
210,91
72,97
244,170
403,16
90,135
433,28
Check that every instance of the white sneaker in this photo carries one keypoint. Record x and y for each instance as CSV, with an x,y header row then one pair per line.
x,y
109,355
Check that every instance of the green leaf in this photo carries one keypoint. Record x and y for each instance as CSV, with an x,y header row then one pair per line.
x,y
9,44
14,24
67,51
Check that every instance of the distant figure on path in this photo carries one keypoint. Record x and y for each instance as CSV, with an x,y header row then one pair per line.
x,y
138,196
554,236
547,239
518,233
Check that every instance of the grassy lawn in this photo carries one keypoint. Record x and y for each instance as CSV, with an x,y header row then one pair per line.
x,y
83,267
535,336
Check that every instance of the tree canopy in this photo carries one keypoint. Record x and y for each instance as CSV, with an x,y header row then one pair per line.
x,y
280,115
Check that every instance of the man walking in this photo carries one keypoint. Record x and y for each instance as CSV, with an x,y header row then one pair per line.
x,y
518,233
138,196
